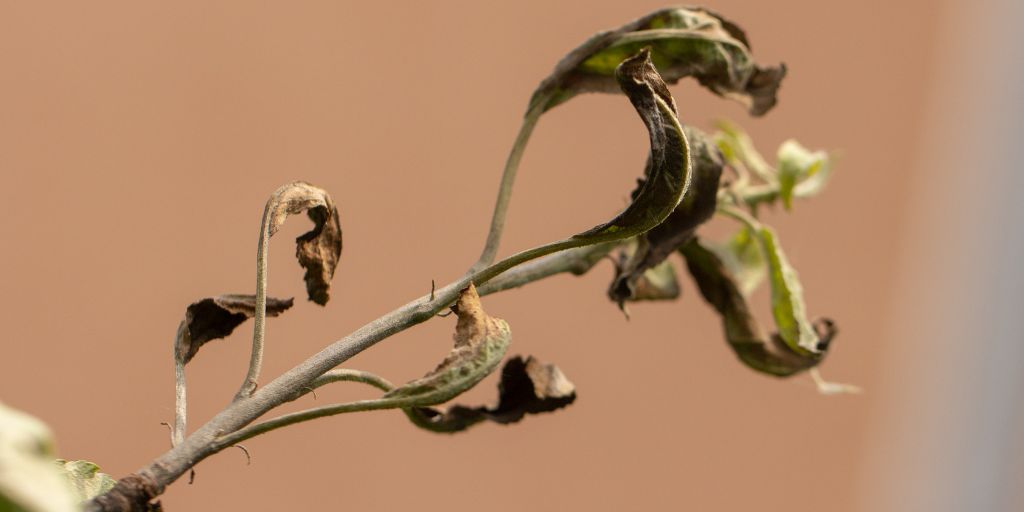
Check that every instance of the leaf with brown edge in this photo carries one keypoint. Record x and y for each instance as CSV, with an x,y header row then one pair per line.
x,y
216,317
668,171
766,354
696,208
480,345
685,41
317,250
527,387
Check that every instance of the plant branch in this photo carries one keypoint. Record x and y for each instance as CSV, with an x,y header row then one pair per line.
x,y
211,437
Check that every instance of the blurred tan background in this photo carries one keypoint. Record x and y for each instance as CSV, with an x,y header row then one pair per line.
x,y
139,141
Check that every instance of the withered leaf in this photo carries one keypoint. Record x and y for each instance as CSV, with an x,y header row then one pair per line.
x,y
667,174
696,208
216,317
685,41
527,387
480,344
771,354
317,250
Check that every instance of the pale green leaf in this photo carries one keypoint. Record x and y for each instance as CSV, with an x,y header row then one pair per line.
x,y
743,259
788,306
796,164
29,479
86,479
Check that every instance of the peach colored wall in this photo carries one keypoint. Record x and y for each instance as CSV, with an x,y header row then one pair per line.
x,y
139,141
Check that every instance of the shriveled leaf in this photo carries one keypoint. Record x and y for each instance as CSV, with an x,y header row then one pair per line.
x,y
766,354
685,41
317,250
527,387
480,344
796,165
85,478
667,174
216,317
696,208
29,479
742,257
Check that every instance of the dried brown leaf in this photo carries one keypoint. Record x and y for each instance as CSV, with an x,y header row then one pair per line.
x,y
317,250
216,317
527,387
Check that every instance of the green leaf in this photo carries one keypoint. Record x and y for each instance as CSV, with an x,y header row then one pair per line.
x,y
86,479
742,257
739,150
788,306
798,165
668,172
696,208
29,479
480,345
527,387
765,354
685,42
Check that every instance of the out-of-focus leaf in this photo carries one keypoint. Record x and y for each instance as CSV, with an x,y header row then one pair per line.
x,y
527,387
480,344
657,283
742,257
685,41
317,250
216,317
796,164
668,172
29,479
738,149
86,479
696,207
766,354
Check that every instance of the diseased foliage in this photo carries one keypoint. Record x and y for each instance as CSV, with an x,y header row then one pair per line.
x,y
689,177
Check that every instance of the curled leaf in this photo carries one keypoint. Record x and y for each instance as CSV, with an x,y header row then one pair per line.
x,y
317,250
29,479
527,387
667,174
480,344
766,354
696,208
216,317
86,479
685,41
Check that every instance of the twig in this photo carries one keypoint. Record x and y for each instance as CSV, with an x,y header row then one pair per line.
x,y
180,405
260,315
508,179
